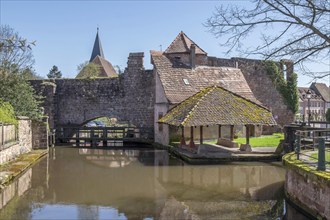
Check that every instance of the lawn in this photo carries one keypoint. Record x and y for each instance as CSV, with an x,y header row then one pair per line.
x,y
263,141
327,156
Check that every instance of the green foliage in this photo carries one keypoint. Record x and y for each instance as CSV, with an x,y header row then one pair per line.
x,y
15,89
288,89
54,73
15,51
7,114
327,115
88,70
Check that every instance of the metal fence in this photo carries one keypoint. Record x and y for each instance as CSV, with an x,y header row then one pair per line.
x,y
311,140
8,135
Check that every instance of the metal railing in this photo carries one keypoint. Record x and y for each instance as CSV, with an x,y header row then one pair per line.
x,y
315,139
8,135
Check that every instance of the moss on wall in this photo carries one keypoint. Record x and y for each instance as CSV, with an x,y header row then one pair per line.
x,y
288,89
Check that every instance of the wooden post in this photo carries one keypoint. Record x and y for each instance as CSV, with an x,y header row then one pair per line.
x,y
201,134
182,141
105,136
77,138
92,137
231,132
192,144
219,131
247,134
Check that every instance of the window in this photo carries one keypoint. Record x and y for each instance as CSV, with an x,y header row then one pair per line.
x,y
186,82
160,125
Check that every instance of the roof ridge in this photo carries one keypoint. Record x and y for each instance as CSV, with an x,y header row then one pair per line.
x,y
207,91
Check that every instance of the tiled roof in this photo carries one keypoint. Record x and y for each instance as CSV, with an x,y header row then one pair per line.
x,y
217,106
176,90
322,89
107,69
181,44
303,91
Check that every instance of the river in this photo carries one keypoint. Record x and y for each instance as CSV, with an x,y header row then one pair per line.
x,y
72,183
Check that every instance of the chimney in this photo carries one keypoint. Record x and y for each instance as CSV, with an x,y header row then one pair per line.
x,y
192,56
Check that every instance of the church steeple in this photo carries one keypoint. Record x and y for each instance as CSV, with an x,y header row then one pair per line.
x,y
97,49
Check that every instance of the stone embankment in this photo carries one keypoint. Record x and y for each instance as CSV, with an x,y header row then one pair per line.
x,y
216,154
307,188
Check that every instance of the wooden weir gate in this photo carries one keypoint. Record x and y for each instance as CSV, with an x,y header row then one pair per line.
x,y
102,136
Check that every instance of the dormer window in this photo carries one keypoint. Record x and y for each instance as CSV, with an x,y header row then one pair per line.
x,y
177,58
186,82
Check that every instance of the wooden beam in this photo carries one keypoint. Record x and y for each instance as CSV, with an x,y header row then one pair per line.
x,y
231,132
182,141
192,144
219,131
201,134
247,134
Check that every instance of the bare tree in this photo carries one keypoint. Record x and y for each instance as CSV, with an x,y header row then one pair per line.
x,y
15,51
294,29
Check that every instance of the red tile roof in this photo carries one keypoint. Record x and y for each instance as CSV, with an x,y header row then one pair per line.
x,y
172,79
181,44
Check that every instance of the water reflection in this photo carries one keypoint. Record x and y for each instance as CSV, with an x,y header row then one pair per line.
x,y
141,184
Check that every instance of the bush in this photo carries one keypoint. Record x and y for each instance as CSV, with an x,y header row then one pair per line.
x,y
16,90
7,114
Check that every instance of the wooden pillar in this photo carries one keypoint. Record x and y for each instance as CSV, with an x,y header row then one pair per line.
x,y
105,137
247,134
192,144
77,138
201,134
182,141
219,131
231,132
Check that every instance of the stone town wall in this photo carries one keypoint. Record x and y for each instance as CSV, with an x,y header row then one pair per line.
x,y
261,84
24,144
129,97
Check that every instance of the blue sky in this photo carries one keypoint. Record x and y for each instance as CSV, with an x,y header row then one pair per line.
x,y
64,31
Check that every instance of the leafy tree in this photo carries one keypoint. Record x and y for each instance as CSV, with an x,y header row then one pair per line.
x,y
15,89
302,29
54,73
88,70
15,51
327,115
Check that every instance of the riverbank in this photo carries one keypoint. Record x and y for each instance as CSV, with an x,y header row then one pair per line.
x,y
306,187
12,169
216,154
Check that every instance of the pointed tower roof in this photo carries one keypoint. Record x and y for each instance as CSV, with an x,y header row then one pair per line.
x,y
181,44
97,49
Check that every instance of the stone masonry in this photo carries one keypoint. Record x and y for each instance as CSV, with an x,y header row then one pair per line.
x,y
129,97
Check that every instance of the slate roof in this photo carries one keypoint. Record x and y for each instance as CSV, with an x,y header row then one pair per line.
x,y
97,48
181,44
322,89
172,79
215,105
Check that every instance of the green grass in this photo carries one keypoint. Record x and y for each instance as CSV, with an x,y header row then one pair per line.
x,y
315,155
263,141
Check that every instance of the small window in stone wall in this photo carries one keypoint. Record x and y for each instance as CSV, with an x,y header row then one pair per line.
x,y
160,125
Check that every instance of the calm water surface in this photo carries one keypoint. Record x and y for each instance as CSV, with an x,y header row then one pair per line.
x,y
73,183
